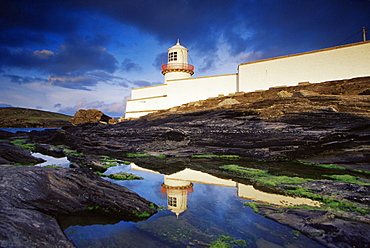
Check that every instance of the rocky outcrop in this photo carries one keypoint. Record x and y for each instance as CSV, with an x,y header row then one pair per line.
x,y
33,198
91,116
322,226
10,154
334,129
316,123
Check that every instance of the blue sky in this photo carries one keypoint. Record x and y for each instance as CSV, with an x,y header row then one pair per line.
x,y
64,55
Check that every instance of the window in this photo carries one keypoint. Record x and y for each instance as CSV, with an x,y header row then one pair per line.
x,y
172,201
172,56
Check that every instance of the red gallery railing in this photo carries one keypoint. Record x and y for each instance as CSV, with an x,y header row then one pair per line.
x,y
180,66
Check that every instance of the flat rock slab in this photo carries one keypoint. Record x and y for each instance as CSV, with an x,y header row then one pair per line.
x,y
321,226
31,198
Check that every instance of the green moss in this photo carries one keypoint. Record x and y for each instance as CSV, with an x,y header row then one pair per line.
x,y
252,205
52,166
244,170
24,164
124,176
98,208
263,177
120,176
230,157
329,166
140,154
361,171
328,202
23,144
296,233
228,242
141,215
347,179
72,152
137,155
272,180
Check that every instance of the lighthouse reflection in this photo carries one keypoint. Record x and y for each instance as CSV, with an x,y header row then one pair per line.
x,y
177,194
178,186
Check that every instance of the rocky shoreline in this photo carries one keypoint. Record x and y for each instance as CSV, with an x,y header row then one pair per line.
x,y
34,198
326,123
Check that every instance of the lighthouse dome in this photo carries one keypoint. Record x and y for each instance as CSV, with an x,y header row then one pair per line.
x,y
177,66
177,46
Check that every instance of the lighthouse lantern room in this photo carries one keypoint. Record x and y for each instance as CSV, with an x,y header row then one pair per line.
x,y
177,66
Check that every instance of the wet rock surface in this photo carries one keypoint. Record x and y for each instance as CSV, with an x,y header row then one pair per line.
x,y
32,198
317,123
322,226
10,154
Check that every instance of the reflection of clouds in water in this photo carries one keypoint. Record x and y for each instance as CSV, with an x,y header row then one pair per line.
x,y
213,210
117,169
63,162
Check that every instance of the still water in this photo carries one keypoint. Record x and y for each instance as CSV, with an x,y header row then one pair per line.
x,y
198,209
14,130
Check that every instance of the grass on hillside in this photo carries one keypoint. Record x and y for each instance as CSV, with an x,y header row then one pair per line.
x,y
9,116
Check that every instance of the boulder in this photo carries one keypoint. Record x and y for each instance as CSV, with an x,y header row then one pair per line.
x,y
321,226
284,93
305,93
34,200
10,154
91,116
365,92
228,102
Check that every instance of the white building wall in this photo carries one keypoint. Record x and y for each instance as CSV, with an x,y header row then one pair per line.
x,y
151,91
146,100
335,63
175,76
195,89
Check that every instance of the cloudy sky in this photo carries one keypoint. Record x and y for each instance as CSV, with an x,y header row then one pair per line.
x,y
64,55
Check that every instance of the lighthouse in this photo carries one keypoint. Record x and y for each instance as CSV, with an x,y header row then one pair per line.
x,y
177,66
177,194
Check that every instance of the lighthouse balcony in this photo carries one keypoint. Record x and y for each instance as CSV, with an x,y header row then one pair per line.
x,y
177,67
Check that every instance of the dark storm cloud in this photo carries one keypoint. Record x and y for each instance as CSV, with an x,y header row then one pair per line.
x,y
75,57
79,63
129,65
160,60
282,27
268,27
79,55
39,16
23,80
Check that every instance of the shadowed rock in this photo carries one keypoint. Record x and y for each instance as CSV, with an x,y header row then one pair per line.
x,y
31,198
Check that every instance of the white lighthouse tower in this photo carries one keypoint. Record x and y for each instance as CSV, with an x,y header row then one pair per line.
x,y
177,66
177,194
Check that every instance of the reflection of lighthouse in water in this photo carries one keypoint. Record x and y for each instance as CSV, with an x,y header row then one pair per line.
x,y
177,194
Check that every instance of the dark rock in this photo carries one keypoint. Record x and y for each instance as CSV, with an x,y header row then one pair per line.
x,y
6,135
31,198
322,226
87,161
365,92
50,150
10,154
305,93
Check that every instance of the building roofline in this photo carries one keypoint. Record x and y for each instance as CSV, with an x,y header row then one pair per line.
x,y
153,86
146,98
305,53
192,78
